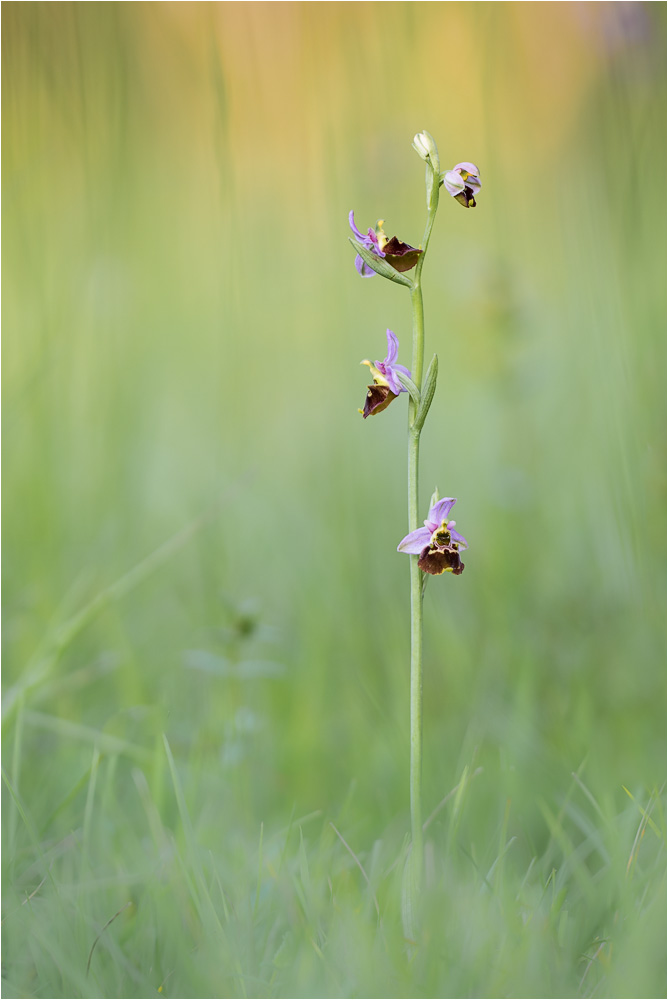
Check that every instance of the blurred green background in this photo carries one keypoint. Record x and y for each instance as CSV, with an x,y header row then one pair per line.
x,y
183,327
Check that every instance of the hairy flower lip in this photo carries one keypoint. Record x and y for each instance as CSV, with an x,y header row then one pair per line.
x,y
438,561
378,398
400,255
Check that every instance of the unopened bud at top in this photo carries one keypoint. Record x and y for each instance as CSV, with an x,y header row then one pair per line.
x,y
424,146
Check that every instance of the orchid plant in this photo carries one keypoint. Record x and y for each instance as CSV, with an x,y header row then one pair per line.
x,y
435,548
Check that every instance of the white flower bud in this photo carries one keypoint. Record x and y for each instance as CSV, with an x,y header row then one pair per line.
x,y
420,146
426,148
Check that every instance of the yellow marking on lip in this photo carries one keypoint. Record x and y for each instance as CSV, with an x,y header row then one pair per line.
x,y
380,234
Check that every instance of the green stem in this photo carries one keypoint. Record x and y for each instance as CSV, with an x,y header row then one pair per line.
x,y
416,574
416,667
416,599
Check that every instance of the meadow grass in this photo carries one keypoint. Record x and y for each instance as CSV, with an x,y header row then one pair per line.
x,y
206,634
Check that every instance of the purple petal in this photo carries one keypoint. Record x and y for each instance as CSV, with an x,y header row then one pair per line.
x,y
363,268
392,380
439,512
389,371
461,541
414,543
470,168
392,348
358,235
453,183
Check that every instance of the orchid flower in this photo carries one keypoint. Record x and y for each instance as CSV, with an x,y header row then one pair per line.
x,y
400,255
463,183
437,544
385,386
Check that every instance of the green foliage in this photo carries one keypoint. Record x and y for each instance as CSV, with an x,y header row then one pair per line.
x,y
427,393
205,624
